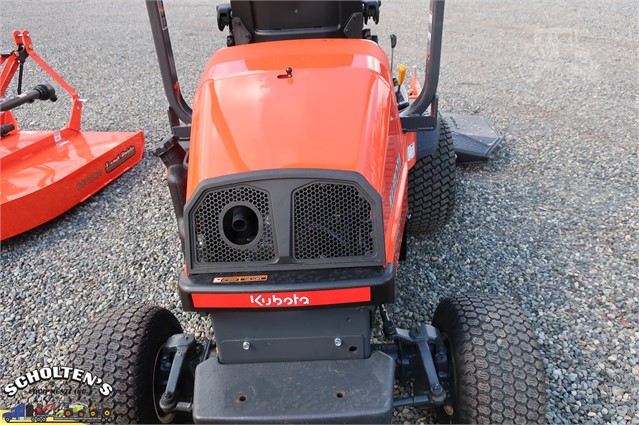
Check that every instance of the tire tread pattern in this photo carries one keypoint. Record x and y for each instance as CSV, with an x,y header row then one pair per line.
x,y
499,369
120,347
431,186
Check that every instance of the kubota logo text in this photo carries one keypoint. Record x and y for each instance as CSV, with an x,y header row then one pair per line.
x,y
282,299
274,300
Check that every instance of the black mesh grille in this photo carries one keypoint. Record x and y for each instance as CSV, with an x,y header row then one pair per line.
x,y
212,247
332,220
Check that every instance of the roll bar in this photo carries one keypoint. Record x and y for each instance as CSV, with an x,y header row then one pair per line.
x,y
162,41
433,56
412,117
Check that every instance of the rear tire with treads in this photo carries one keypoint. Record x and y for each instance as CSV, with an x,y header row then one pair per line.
x,y
431,186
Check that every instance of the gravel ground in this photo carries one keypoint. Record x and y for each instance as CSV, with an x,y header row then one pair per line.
x,y
552,221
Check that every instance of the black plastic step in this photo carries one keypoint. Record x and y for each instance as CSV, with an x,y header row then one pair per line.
x,y
327,391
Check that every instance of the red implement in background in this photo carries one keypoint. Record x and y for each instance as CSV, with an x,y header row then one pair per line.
x,y
45,173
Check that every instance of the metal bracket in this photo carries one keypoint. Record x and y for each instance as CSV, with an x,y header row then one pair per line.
x,y
182,132
180,344
427,142
422,338
414,123
240,34
24,49
355,21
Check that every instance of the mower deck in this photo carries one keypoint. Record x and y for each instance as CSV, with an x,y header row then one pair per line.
x,y
45,173
474,137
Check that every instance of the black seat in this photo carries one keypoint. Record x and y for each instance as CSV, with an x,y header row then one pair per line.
x,y
271,20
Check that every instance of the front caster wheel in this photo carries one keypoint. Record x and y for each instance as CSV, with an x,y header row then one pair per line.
x,y
498,374
121,347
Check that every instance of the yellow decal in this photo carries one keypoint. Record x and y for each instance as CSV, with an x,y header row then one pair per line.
x,y
240,279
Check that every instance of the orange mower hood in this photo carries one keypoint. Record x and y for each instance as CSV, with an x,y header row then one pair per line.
x,y
329,111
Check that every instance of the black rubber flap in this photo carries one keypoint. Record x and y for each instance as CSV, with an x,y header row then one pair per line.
x,y
327,391
474,138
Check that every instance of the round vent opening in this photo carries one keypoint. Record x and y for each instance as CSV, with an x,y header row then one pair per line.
x,y
232,225
240,225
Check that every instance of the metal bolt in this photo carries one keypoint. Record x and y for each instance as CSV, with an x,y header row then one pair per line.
x,y
338,342
246,345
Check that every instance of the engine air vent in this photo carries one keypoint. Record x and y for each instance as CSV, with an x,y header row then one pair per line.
x,y
332,220
233,225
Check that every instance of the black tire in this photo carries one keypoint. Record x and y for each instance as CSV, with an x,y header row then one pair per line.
x,y
121,347
498,372
431,186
